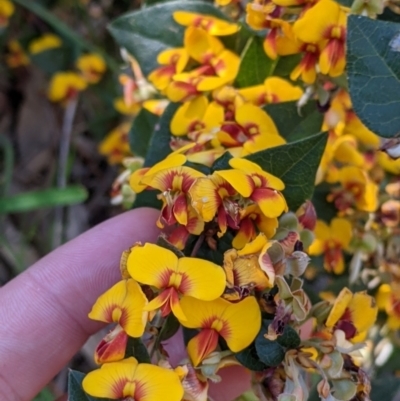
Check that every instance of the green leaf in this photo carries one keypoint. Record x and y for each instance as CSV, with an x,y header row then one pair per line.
x,y
159,147
286,65
325,210
294,124
43,199
141,131
385,388
137,349
295,164
373,67
147,32
169,328
7,165
290,338
222,163
270,352
147,198
75,391
255,65
249,359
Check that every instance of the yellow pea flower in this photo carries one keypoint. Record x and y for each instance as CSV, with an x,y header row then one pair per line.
x,y
45,42
172,61
65,86
357,189
387,299
159,267
253,129
238,323
130,379
15,55
250,181
218,66
243,271
115,146
196,116
352,313
174,184
92,67
123,107
331,241
307,67
214,26
211,197
123,303
325,23
274,90
6,11
172,160
387,163
252,220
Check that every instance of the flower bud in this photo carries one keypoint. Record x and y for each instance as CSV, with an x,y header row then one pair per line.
x,y
323,388
307,215
112,347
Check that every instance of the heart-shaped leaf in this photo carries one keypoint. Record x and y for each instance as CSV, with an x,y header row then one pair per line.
x,y
373,68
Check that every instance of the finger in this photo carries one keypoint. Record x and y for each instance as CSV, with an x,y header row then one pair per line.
x,y
44,310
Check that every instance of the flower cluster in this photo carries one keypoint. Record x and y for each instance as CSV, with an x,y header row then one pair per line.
x,y
237,260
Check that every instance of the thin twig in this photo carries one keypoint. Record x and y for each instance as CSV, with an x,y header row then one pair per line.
x,y
197,245
64,147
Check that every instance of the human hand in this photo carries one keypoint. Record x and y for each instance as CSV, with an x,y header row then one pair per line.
x,y
43,312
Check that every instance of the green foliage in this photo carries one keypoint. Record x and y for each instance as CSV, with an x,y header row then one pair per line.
x,y
294,123
255,65
147,32
295,164
137,349
159,148
75,391
373,67
249,359
43,199
140,133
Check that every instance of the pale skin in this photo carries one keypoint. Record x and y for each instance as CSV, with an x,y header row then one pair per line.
x,y
43,312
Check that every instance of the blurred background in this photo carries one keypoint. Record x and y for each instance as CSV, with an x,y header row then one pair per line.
x,y
60,148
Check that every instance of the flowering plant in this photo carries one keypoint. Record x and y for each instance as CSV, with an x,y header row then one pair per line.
x,y
278,207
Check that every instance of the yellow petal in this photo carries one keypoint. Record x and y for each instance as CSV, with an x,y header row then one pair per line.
x,y
173,160
271,202
280,90
204,197
188,115
339,307
249,115
363,311
341,231
239,181
243,322
111,379
154,380
199,313
311,27
123,303
202,279
383,296
200,45
151,264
